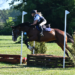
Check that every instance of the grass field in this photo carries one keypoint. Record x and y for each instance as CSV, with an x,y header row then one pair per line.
x,y
7,46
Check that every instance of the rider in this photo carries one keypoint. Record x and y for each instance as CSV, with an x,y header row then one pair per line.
x,y
38,20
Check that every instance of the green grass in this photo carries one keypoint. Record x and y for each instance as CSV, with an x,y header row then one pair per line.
x,y
7,46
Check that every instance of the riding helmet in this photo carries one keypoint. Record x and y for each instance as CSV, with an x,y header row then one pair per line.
x,y
34,11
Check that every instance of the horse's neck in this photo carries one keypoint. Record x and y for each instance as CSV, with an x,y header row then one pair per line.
x,y
30,31
25,29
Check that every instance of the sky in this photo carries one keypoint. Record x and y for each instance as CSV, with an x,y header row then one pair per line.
x,y
5,4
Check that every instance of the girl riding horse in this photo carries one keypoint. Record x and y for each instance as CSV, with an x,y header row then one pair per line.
x,y
38,20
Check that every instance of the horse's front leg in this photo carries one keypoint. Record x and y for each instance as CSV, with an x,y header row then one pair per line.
x,y
28,46
33,38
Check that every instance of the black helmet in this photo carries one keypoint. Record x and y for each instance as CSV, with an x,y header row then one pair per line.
x,y
34,11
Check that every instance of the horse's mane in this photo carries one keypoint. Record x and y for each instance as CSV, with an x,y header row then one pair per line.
x,y
23,24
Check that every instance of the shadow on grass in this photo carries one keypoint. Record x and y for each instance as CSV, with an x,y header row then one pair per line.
x,y
26,66
11,65
9,46
6,39
50,68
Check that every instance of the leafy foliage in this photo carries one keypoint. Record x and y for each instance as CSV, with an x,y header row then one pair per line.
x,y
19,39
72,49
4,14
8,24
40,48
8,18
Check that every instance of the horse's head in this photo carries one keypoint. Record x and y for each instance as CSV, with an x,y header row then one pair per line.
x,y
17,29
15,33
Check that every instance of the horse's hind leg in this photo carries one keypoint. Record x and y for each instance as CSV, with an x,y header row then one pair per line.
x,y
62,47
68,48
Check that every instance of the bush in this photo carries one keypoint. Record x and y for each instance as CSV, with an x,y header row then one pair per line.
x,y
72,50
40,48
73,46
19,39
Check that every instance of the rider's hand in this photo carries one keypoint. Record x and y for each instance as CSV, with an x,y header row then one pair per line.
x,y
35,22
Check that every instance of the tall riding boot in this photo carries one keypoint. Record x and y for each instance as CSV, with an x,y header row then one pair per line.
x,y
41,30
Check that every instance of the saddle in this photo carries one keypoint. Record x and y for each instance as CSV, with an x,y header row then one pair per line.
x,y
45,27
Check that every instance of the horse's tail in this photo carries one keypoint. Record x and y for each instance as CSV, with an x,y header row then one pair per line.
x,y
70,38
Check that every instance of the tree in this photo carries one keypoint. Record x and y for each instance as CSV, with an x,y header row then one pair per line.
x,y
8,18
8,24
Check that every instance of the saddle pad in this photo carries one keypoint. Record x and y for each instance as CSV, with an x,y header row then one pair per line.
x,y
44,29
47,29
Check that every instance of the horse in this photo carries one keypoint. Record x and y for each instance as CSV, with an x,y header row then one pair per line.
x,y
55,34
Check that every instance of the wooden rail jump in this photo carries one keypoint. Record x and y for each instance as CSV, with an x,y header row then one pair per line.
x,y
43,60
13,59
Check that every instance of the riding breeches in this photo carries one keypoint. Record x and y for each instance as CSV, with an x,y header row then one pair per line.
x,y
43,23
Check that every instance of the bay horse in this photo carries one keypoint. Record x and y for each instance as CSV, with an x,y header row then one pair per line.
x,y
56,35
